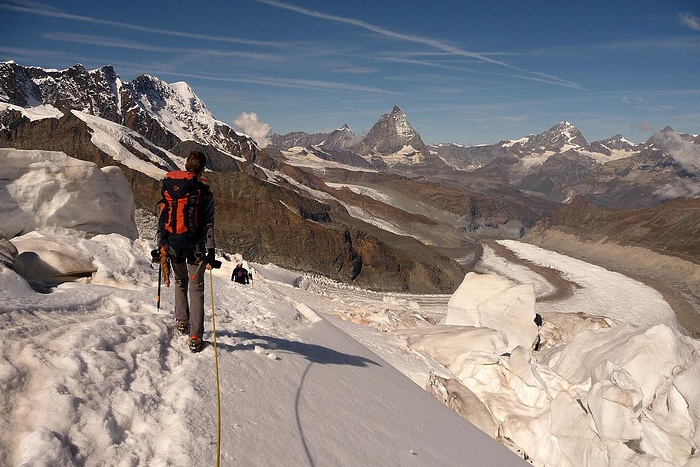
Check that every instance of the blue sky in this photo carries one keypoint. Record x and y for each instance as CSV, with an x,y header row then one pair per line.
x,y
462,71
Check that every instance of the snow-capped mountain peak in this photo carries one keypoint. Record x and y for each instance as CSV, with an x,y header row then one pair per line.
x,y
403,127
176,107
391,134
166,114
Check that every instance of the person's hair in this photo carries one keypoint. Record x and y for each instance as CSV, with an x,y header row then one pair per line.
x,y
196,161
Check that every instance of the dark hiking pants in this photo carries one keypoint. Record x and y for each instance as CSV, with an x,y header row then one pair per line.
x,y
190,278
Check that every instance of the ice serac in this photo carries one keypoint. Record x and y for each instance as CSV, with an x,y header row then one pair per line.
x,y
74,195
492,301
47,261
475,288
615,403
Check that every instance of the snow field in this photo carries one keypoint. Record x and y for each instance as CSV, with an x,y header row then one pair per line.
x,y
93,375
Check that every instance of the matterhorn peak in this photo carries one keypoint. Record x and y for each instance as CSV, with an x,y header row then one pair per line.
x,y
563,125
390,134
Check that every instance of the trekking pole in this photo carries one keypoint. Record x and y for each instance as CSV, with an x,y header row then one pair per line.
x,y
160,273
216,363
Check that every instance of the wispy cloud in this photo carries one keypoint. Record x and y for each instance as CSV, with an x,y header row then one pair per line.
x,y
354,70
690,20
416,39
312,84
133,27
646,46
633,100
384,32
288,83
105,41
531,76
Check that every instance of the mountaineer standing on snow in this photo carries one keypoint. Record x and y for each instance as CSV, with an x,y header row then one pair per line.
x,y
185,237
240,274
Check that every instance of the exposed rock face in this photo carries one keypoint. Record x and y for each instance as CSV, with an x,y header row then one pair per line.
x,y
669,228
165,114
267,222
391,143
71,136
75,88
648,178
8,253
617,142
560,138
559,172
390,135
341,139
497,214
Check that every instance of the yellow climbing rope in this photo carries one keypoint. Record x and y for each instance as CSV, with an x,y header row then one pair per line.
x,y
216,363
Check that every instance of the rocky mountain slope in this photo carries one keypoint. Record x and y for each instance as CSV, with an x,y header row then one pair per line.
x,y
669,228
383,210
266,209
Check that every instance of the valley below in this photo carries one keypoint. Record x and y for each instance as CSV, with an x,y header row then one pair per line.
x,y
678,280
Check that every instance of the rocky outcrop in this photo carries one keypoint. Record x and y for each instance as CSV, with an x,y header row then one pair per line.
x,y
94,92
557,173
670,228
8,253
268,223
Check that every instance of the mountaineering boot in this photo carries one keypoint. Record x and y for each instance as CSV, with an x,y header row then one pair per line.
x,y
195,344
183,327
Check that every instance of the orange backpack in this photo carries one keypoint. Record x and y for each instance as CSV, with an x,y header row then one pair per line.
x,y
179,215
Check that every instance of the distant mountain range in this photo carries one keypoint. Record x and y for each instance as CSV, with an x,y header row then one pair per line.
x,y
383,210
556,165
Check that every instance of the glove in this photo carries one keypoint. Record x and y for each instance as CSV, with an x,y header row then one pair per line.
x,y
155,255
211,259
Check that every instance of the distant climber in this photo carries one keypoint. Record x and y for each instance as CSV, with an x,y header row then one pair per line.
x,y
240,274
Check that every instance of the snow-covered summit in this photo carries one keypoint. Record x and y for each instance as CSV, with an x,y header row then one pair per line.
x,y
175,106
166,114
394,141
559,138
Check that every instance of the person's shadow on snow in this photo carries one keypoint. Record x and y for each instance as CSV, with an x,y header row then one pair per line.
x,y
312,352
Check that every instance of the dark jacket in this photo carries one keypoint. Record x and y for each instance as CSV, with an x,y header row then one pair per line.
x,y
240,275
